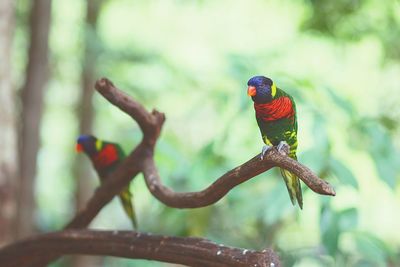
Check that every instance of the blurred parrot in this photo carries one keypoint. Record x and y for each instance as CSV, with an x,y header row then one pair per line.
x,y
105,157
276,118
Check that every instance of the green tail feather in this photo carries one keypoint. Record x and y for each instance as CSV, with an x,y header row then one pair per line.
x,y
293,186
126,199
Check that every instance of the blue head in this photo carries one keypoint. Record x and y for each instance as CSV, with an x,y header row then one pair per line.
x,y
261,89
87,144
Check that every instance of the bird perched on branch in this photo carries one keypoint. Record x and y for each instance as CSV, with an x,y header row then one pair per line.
x,y
105,157
276,118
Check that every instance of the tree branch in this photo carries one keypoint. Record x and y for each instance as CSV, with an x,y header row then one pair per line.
x,y
229,180
197,252
134,245
149,123
223,184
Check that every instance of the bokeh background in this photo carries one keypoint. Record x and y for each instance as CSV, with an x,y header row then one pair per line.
x,y
340,60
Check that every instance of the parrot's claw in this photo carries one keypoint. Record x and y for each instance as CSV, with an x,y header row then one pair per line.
x,y
281,145
264,151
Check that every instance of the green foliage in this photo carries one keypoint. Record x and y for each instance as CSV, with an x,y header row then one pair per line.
x,y
333,224
383,151
343,173
355,19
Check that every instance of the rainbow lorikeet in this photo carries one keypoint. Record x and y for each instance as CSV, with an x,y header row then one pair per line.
x,y
276,118
105,157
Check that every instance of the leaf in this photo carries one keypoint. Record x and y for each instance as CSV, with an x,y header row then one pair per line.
x,y
329,229
317,157
313,160
277,203
340,102
372,249
384,153
348,219
343,173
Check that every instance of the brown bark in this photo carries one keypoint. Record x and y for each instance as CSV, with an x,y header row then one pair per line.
x,y
134,245
32,105
8,133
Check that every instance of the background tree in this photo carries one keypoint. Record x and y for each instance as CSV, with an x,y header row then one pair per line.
x,y
8,133
83,172
32,94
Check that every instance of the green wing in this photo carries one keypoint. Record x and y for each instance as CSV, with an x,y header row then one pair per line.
x,y
285,129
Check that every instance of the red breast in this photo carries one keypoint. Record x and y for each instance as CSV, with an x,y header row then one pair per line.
x,y
276,109
106,157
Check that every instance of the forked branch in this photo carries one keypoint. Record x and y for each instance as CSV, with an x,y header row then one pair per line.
x,y
190,251
224,183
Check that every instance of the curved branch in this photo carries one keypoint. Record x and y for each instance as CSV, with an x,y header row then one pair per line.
x,y
316,184
134,245
149,123
141,160
222,185
229,180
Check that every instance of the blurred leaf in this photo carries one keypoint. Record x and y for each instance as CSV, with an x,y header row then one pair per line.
x,y
329,229
314,160
340,102
327,15
277,203
317,157
373,249
388,122
198,221
348,219
384,153
343,173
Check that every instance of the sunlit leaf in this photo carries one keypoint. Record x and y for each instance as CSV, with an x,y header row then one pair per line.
x,y
277,203
384,153
340,102
372,249
348,219
329,229
343,173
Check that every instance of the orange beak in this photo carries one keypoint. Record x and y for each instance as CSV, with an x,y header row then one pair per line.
x,y
78,148
251,91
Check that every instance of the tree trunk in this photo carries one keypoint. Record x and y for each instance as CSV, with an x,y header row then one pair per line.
x,y
85,116
85,108
32,106
8,133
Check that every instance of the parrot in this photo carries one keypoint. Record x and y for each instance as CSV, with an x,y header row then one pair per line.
x,y
276,117
105,157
